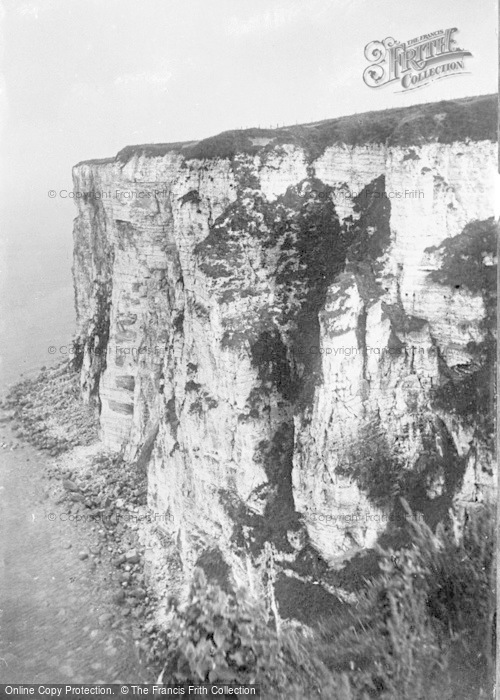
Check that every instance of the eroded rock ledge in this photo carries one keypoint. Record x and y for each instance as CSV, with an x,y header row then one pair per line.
x,y
293,329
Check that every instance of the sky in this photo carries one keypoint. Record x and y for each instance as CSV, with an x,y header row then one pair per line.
x,y
82,79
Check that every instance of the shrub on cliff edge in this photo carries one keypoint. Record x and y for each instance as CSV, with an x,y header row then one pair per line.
x,y
424,628
231,638
421,630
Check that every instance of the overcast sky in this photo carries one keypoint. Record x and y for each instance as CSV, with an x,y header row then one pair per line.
x,y
86,77
83,78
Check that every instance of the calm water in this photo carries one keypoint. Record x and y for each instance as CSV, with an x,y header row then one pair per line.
x,y
36,298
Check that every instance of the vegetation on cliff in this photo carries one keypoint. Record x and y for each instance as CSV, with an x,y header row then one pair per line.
x,y
468,261
423,628
471,118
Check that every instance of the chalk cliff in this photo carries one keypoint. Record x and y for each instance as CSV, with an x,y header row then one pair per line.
x,y
293,328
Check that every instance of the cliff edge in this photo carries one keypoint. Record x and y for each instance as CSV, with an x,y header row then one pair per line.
x,y
293,329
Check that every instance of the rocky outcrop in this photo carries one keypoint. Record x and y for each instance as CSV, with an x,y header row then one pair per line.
x,y
294,328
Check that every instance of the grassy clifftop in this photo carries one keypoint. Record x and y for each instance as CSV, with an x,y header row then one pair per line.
x,y
473,118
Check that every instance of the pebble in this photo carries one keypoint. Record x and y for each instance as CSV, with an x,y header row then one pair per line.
x,y
83,555
70,485
77,497
132,556
105,619
138,593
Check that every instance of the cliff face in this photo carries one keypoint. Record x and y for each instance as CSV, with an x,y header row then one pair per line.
x,y
294,328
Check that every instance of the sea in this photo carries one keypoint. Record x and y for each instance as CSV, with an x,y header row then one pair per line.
x,y
37,301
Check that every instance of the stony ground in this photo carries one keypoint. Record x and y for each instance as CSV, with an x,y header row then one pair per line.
x,y
47,411
92,489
